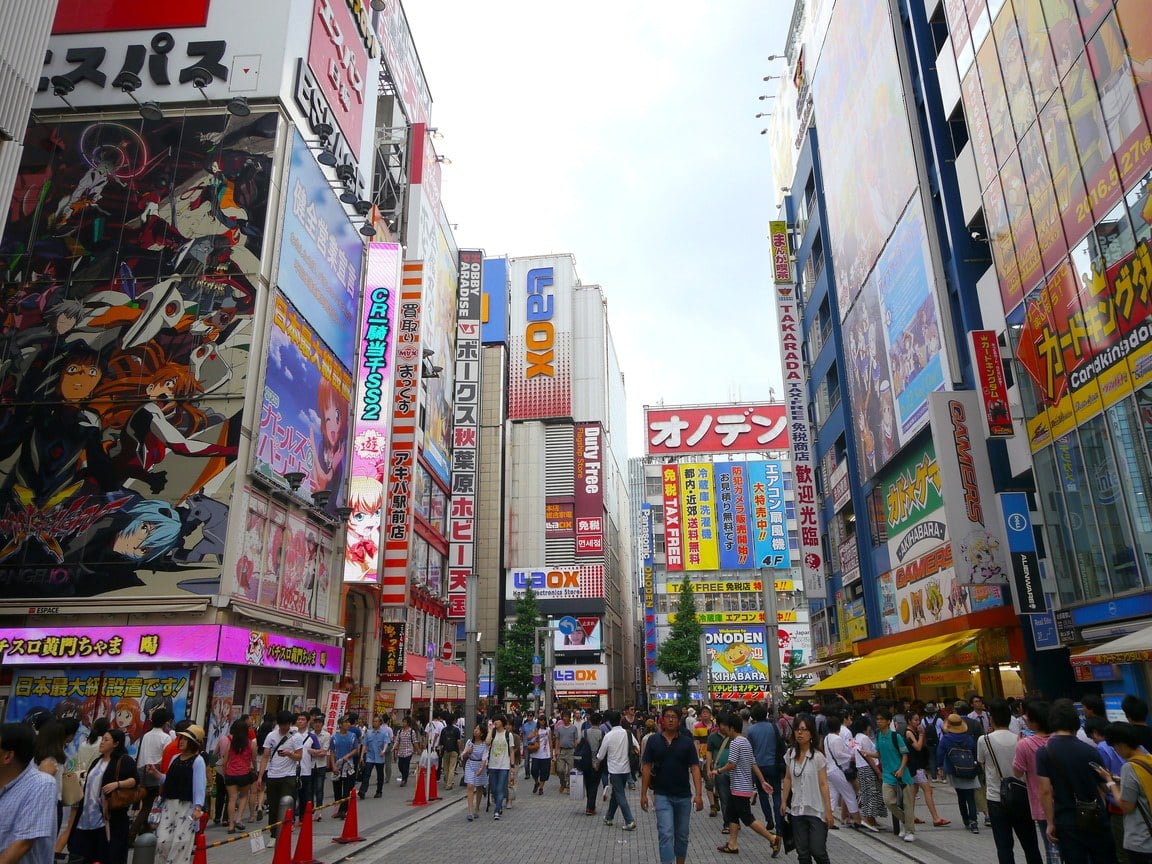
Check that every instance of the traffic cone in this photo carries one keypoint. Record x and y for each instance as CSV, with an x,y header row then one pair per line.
x,y
433,790
203,821
421,797
351,833
200,856
283,851
304,843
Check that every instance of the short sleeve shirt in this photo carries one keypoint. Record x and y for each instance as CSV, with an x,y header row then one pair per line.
x,y
892,749
28,812
671,764
1136,835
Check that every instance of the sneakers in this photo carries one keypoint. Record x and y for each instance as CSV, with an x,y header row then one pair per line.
x,y
974,828
629,826
631,785
495,817
609,822
987,822
868,826
909,837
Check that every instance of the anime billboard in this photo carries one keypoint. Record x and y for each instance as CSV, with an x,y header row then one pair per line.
x,y
129,279
870,383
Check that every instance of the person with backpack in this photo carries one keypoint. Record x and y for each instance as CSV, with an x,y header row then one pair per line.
x,y
584,756
768,748
917,737
499,761
449,751
899,790
956,754
996,752
933,729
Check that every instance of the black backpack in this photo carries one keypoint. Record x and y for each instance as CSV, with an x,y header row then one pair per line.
x,y
963,759
582,756
450,738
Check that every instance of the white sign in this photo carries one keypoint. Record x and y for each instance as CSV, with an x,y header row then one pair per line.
x,y
567,679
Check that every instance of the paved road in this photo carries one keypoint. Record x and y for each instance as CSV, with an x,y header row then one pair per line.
x,y
554,830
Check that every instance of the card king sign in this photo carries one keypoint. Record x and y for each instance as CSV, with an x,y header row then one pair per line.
x,y
465,434
804,483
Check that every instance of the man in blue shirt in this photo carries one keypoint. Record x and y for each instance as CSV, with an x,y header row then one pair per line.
x,y
764,736
899,790
27,800
373,745
345,752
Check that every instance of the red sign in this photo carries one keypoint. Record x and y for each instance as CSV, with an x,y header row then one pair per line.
x,y
993,386
106,16
446,652
589,500
338,57
715,429
588,624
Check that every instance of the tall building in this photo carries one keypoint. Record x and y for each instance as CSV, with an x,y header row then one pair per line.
x,y
191,504
715,505
968,247
22,45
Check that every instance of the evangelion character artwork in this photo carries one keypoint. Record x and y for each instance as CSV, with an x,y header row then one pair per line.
x,y
127,283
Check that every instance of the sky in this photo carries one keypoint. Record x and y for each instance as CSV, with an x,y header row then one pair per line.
x,y
624,133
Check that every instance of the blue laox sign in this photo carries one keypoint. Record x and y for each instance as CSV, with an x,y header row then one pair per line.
x,y
539,335
544,583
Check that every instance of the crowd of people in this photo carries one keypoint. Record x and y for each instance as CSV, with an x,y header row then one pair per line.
x,y
1058,781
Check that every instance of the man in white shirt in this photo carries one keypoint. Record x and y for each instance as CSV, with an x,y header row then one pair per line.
x,y
614,751
150,752
283,750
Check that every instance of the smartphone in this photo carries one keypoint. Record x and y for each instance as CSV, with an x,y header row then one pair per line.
x,y
1095,766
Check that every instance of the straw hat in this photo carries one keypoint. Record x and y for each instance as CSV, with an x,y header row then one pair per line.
x,y
955,723
195,734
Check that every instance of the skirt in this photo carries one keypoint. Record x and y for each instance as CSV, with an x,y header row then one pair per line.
x,y
871,794
475,774
176,833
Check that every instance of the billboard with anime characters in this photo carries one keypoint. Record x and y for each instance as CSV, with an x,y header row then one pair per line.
x,y
127,285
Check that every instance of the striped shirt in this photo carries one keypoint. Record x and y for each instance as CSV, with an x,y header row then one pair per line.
x,y
741,758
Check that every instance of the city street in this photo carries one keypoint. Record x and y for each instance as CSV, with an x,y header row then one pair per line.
x,y
553,828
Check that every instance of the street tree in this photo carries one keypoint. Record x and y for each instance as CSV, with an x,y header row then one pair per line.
x,y
679,654
791,681
514,657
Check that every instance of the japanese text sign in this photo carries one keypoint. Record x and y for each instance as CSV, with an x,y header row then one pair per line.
x,y
781,255
989,369
589,487
51,646
338,56
715,429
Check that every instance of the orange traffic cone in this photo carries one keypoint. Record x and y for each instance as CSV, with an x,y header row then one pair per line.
x,y
304,843
203,821
351,833
283,851
200,856
433,791
421,797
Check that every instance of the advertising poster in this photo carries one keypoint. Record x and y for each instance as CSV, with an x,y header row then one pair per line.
x,y
979,132
393,652
734,515
957,18
127,697
373,415
338,58
1019,212
770,517
700,547
304,416
437,328
737,654
320,255
559,517
871,174
715,429
1067,179
988,367
1041,65
130,251
781,254
1051,242
584,634
928,592
995,100
1002,245
870,383
913,504
220,714
1133,18
904,284
540,337
650,646
588,504
1014,69
795,642
494,325
673,524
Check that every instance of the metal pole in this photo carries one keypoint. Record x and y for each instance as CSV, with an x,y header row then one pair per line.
x,y
535,654
431,717
472,654
771,633
549,667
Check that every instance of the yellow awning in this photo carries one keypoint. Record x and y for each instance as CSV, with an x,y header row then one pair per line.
x,y
886,664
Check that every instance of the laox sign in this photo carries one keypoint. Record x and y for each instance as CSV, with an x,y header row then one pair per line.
x,y
588,675
537,579
539,334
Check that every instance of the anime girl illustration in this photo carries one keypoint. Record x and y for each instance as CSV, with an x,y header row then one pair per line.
x,y
93,708
128,718
293,593
328,465
149,430
365,496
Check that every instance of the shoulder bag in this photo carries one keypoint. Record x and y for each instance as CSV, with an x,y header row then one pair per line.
x,y
1088,813
71,789
1013,790
121,798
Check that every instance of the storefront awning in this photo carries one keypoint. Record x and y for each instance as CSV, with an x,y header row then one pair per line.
x,y
1133,648
890,662
446,673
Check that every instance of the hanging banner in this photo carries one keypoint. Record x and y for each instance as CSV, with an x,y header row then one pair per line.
x,y
673,533
588,458
734,511
781,256
700,549
989,369
1027,591
771,535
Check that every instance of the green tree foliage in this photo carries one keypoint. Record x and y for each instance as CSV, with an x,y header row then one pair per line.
x,y
514,657
791,681
679,655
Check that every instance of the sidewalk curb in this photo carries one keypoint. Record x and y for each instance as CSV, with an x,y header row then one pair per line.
x,y
388,830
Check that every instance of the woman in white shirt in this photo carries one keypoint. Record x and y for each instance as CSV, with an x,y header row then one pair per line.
x,y
840,752
869,791
806,787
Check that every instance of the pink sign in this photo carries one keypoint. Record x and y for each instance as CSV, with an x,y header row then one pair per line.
x,y
338,58
134,646
243,647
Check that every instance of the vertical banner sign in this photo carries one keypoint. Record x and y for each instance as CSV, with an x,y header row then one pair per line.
x,y
589,487
804,483
673,531
989,370
781,256
1027,592
706,495
970,507
540,337
732,516
465,433
648,543
373,413
745,549
772,539
699,532
402,454
393,651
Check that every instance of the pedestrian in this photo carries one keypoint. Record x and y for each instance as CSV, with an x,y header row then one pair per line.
x,y
742,768
716,740
238,765
374,745
182,788
499,761
918,763
149,752
768,747
101,832
306,790
256,802
407,744
450,737
283,750
540,754
1070,792
476,771
593,736
868,773
806,789
995,751
1024,767
956,755
933,728
675,782
388,737
28,796
565,734
344,756
839,753
1133,792
721,780
898,790
613,754
319,763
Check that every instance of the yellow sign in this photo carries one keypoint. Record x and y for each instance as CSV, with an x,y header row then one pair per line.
x,y
945,678
720,587
698,517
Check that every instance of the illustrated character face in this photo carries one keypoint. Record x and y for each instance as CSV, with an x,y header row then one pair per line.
x,y
123,719
65,323
738,654
78,380
331,422
366,523
134,543
162,391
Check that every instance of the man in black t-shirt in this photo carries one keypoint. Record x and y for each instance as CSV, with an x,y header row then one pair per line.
x,y
1136,711
668,761
1067,781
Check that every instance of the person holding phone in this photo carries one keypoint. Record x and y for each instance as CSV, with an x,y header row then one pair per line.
x,y
283,750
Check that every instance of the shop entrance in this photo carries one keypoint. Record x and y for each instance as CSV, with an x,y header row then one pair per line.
x,y
261,702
